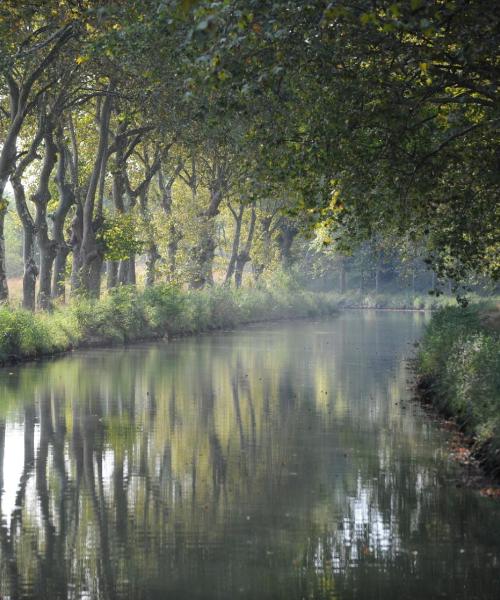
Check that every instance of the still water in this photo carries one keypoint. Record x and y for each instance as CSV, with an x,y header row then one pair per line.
x,y
282,461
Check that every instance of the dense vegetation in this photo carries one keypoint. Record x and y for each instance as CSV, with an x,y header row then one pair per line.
x,y
126,315
185,141
459,366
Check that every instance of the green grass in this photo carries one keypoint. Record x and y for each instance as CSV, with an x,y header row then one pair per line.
x,y
459,369
126,315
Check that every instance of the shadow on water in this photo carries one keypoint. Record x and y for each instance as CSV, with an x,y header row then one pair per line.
x,y
282,461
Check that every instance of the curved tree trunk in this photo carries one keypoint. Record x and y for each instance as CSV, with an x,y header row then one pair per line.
x,y
244,256
41,198
21,100
29,261
4,290
66,201
90,255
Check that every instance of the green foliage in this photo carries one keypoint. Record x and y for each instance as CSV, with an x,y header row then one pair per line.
x,y
120,235
164,306
459,361
126,314
27,335
385,120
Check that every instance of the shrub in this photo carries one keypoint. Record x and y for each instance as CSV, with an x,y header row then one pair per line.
x,y
125,314
460,362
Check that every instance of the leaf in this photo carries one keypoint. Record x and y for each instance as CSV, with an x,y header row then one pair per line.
x,y
424,67
187,5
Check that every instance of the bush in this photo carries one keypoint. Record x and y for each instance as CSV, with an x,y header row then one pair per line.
x,y
459,363
27,335
125,315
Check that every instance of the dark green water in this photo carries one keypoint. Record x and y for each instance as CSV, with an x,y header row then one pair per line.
x,y
282,461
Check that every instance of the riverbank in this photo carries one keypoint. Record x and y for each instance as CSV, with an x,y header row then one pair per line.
x,y
458,369
127,315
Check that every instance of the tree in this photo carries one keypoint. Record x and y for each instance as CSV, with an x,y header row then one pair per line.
x,y
393,106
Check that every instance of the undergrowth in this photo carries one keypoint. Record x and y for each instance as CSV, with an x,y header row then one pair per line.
x,y
126,314
459,369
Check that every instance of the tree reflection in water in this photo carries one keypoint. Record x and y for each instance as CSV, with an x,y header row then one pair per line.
x,y
275,462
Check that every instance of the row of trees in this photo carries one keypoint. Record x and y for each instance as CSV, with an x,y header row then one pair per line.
x,y
367,118
105,165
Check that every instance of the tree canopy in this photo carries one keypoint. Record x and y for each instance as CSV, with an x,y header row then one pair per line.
x,y
268,118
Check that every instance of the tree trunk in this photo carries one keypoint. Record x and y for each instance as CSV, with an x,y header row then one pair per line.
x,y
95,276
172,247
4,290
29,262
244,256
174,235
203,257
41,198
123,270
76,245
30,269
112,274
66,201
47,255
204,251
59,273
7,162
90,254
285,240
132,277
152,258
266,237
21,101
238,217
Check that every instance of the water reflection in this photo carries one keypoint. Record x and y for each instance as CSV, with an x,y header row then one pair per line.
x,y
283,461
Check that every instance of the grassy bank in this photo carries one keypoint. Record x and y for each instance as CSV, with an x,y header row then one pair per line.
x,y
459,372
126,315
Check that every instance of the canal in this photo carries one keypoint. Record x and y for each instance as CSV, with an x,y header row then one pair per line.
x,y
280,461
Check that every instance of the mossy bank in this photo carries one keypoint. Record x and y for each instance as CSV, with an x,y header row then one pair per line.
x,y
126,315
458,367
